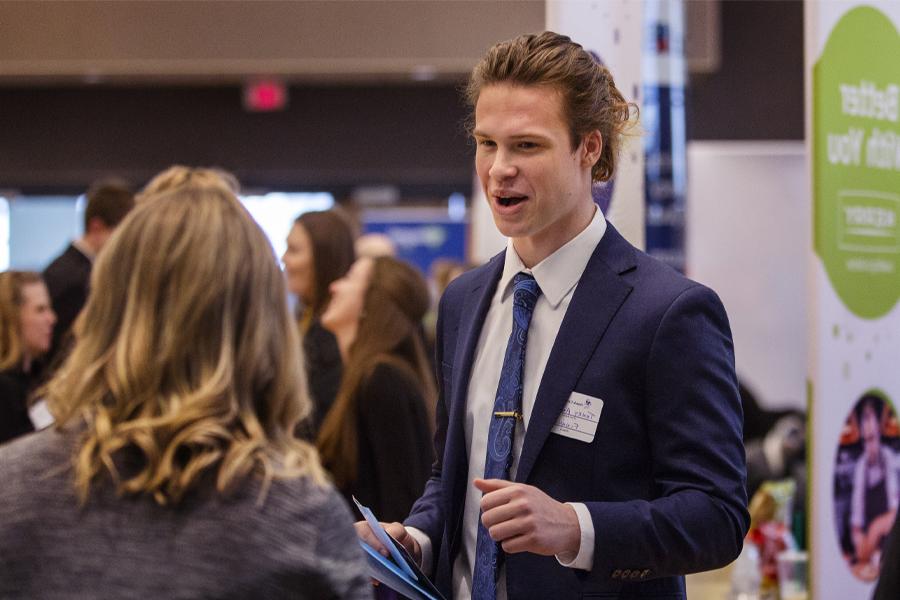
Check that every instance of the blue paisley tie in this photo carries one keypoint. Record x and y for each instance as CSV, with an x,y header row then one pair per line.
x,y
507,410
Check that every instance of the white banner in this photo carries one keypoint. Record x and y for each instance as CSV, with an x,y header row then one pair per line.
x,y
853,134
613,30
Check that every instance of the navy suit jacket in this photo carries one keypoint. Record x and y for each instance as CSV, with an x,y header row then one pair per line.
x,y
663,478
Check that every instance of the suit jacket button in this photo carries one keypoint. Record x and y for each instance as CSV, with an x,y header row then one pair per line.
x,y
617,573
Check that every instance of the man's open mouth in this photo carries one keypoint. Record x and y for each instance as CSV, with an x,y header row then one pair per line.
x,y
510,200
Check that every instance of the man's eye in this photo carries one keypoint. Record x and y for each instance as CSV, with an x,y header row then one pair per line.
x,y
486,143
527,145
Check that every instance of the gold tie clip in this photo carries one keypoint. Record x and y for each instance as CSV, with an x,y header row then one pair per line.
x,y
511,413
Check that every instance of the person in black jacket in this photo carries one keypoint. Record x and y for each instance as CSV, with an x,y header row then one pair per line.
x,y
26,326
69,274
376,439
319,251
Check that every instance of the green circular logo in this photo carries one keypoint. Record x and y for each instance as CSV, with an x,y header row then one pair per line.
x,y
856,161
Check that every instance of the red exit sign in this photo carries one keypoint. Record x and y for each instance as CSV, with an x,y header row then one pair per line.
x,y
265,95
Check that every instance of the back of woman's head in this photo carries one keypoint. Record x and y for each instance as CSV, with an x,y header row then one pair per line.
x,y
185,353
178,175
11,298
332,236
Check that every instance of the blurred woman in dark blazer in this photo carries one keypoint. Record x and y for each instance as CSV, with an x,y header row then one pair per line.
x,y
376,440
319,251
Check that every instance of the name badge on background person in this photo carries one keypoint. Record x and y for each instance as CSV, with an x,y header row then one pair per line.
x,y
578,419
40,415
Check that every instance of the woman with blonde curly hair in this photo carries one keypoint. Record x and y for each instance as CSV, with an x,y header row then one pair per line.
x,y
172,469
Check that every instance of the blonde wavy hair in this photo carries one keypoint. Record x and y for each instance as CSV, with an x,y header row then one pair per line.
x,y
178,175
186,361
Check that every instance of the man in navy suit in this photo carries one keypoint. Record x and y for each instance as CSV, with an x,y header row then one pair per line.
x,y
623,463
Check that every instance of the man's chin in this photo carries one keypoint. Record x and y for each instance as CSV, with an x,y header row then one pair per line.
x,y
509,228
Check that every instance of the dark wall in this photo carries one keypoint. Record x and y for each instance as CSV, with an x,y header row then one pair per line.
x,y
60,139
757,93
328,137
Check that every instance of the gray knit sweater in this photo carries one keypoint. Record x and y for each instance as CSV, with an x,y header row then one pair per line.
x,y
298,544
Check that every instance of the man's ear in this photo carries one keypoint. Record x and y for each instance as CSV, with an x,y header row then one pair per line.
x,y
96,225
591,148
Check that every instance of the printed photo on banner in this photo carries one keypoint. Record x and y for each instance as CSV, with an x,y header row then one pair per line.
x,y
867,482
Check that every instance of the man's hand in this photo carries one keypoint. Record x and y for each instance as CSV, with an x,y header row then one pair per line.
x,y
396,531
525,519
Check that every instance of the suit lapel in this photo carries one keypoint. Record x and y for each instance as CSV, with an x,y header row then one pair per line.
x,y
471,320
600,293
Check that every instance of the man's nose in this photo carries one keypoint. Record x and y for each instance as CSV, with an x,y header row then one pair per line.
x,y
503,166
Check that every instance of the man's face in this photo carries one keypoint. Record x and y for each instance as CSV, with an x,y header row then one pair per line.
x,y
538,188
871,431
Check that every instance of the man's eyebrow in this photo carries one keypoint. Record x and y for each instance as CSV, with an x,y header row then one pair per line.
x,y
517,136
528,135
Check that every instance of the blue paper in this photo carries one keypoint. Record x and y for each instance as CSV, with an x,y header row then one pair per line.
x,y
391,575
383,537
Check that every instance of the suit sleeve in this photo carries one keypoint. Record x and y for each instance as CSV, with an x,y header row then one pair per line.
x,y
698,518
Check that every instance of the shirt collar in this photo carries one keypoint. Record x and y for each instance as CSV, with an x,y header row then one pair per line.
x,y
558,273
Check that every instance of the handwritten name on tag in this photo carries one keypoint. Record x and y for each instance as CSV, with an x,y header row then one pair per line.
x,y
579,417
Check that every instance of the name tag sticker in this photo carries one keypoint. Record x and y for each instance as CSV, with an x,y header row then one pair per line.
x,y
579,418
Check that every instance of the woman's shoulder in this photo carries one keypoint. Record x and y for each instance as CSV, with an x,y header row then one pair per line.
x,y
36,450
388,389
13,379
301,499
35,464
306,510
390,370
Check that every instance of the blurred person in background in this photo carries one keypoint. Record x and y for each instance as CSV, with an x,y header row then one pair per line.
x,y
319,251
876,490
443,271
775,446
173,469
26,329
376,440
67,277
374,245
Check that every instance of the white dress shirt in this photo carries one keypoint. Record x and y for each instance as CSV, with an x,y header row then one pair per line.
x,y
558,276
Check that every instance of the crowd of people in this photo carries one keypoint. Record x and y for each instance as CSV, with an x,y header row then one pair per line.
x,y
576,431
193,403
173,467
